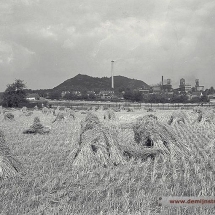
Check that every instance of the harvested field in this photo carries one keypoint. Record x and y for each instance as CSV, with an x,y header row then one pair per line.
x,y
91,165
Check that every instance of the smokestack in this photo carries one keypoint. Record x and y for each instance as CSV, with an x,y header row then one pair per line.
x,y
162,81
112,80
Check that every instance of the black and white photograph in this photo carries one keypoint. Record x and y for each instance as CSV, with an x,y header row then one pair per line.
x,y
107,107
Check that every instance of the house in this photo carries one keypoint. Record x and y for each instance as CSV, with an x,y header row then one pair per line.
x,y
156,88
106,94
77,93
199,88
196,95
32,97
144,91
63,93
89,92
212,98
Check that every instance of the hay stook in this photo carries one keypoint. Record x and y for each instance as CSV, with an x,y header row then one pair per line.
x,y
37,128
28,113
70,113
45,110
60,116
97,146
178,117
204,115
109,114
130,109
1,110
24,109
9,166
150,110
8,116
151,134
36,108
148,130
89,122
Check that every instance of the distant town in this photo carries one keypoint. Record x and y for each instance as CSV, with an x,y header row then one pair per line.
x,y
162,92
120,89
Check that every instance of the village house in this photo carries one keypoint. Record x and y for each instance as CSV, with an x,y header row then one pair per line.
x,y
63,93
106,94
32,97
196,95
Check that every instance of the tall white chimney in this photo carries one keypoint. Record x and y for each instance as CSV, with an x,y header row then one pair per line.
x,y
112,79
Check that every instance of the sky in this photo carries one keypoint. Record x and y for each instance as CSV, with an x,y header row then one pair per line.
x,y
45,42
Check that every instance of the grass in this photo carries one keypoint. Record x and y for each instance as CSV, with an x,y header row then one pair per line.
x,y
51,185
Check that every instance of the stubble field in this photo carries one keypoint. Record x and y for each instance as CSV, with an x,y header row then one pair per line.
x,y
102,169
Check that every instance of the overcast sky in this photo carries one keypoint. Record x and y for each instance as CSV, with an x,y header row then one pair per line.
x,y
45,42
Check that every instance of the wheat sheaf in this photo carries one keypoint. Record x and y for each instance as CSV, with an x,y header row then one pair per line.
x,y
9,166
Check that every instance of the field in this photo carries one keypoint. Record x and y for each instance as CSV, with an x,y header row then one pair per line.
x,y
61,176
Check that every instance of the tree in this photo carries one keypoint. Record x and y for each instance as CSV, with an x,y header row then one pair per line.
x,y
138,96
14,94
128,95
55,95
92,96
211,91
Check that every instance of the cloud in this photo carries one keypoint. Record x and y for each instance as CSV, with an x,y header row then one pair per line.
x,y
46,42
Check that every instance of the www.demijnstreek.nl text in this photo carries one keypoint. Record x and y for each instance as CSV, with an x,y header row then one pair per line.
x,y
187,201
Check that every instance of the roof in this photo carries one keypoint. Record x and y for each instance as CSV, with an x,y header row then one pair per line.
x,y
31,95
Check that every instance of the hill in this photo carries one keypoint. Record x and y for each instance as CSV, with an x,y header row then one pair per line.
x,y
87,83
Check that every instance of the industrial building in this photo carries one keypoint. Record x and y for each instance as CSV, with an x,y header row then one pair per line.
x,y
198,87
166,85
183,87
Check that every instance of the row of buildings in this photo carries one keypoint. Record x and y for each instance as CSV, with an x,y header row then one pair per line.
x,y
103,94
166,86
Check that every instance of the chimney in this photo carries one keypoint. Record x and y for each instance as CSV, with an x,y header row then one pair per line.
x,y
162,83
112,79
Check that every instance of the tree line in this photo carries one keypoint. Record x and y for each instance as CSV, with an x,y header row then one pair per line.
x,y
16,93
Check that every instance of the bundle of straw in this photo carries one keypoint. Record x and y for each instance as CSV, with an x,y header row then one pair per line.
x,y
37,128
60,116
109,114
9,116
90,121
9,166
177,117
1,110
97,147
